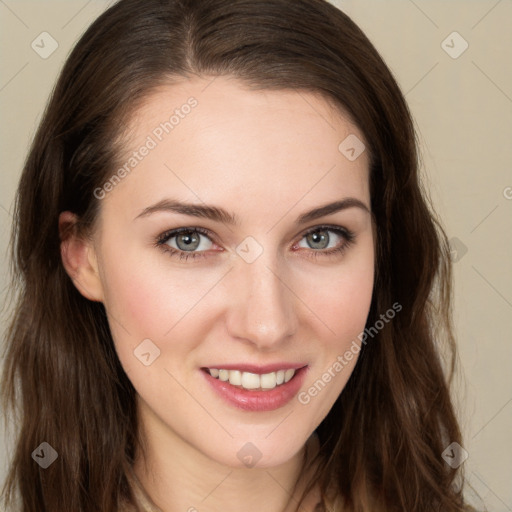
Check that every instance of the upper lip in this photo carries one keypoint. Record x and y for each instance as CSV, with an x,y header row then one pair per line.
x,y
261,369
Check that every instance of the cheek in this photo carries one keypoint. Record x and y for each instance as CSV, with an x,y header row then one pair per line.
x,y
342,296
134,298
142,302
341,299
348,302
148,296
343,307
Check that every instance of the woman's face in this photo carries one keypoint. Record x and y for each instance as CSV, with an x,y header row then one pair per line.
x,y
268,277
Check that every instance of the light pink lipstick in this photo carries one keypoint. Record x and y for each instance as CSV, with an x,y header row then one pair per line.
x,y
257,400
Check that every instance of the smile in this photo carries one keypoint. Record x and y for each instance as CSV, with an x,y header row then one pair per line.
x,y
253,381
261,389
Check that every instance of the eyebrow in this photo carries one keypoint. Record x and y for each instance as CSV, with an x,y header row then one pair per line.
x,y
218,214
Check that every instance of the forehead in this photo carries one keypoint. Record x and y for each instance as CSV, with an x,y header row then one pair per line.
x,y
218,141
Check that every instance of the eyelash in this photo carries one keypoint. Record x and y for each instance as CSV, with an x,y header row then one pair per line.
x,y
162,240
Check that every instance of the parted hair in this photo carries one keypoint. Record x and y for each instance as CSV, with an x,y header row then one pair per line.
x,y
381,443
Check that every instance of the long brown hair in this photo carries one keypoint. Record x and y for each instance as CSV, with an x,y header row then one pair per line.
x,y
381,444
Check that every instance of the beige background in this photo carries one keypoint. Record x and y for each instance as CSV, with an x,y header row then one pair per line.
x,y
462,107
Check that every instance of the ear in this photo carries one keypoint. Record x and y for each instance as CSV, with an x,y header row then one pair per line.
x,y
79,258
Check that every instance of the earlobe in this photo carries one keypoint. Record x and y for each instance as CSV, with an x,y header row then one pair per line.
x,y
79,258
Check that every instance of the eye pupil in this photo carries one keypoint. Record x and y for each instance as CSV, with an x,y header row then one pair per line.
x,y
318,238
190,239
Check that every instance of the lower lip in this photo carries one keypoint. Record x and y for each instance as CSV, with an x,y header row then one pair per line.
x,y
258,400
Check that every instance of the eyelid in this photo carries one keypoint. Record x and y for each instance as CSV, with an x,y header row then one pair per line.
x,y
166,235
328,227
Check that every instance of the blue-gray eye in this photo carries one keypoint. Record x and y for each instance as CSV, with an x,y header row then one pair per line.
x,y
189,241
321,238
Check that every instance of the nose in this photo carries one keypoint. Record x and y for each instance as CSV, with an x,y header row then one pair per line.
x,y
262,305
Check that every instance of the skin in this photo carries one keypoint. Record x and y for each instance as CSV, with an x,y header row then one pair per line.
x,y
267,157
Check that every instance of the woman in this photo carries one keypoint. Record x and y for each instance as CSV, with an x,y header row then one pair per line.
x,y
231,288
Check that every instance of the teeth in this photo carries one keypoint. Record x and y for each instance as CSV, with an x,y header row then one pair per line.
x,y
268,380
288,374
248,380
235,377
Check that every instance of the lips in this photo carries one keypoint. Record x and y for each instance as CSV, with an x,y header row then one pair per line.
x,y
261,369
252,388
